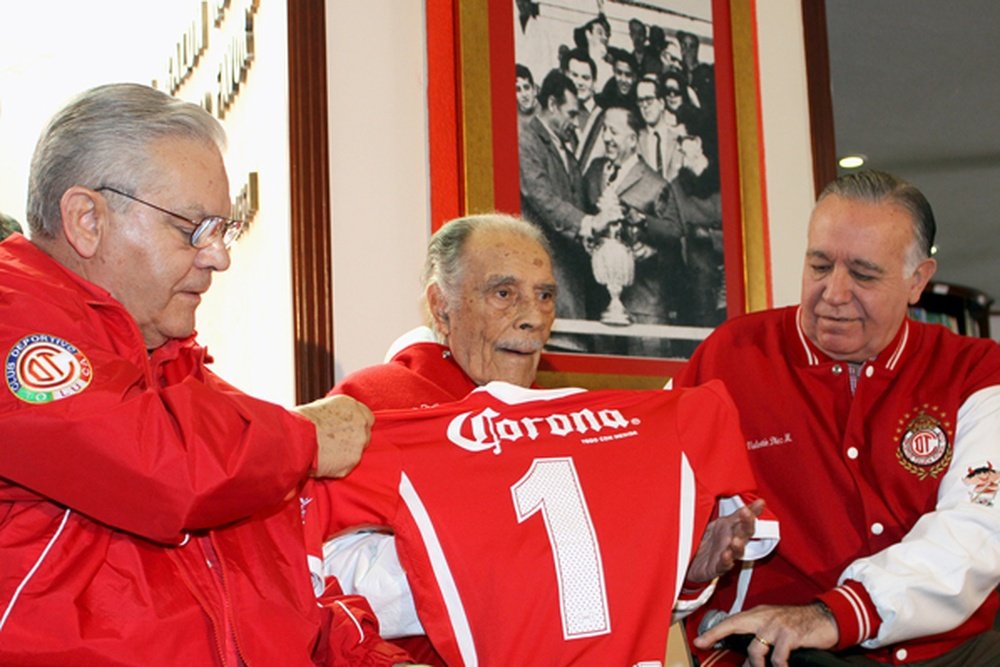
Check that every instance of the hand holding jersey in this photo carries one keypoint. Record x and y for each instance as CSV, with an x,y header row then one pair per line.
x,y
343,426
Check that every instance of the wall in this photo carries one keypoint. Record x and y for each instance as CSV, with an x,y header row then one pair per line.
x,y
787,143
376,66
48,57
246,318
43,65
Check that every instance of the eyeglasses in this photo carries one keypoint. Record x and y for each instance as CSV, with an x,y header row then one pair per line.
x,y
673,91
643,101
206,231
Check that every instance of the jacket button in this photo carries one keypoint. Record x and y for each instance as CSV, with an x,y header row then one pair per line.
x,y
877,528
869,371
852,453
901,654
837,369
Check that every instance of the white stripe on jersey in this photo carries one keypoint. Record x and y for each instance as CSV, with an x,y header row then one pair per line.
x,y
685,523
442,573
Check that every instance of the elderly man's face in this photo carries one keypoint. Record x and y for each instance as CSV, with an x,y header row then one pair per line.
x,y
148,263
856,285
505,308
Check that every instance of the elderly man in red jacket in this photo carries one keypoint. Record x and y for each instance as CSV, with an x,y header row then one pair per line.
x,y
865,429
149,509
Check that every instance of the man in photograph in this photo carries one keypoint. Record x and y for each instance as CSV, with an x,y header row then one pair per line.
x,y
527,95
700,75
650,227
619,91
659,139
637,35
585,138
592,38
552,197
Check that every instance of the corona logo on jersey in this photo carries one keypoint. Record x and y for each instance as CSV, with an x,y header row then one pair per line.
x,y
484,430
42,368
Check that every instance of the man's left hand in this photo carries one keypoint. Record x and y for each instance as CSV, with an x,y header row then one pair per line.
x,y
343,426
776,630
723,543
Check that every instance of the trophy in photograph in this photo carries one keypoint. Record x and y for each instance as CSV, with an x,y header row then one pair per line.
x,y
614,267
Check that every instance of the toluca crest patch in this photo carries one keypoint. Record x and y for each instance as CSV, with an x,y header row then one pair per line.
x,y
41,368
924,446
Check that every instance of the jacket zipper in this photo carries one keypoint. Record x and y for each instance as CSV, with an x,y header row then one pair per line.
x,y
227,604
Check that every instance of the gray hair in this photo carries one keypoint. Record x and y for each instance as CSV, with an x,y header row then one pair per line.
x,y
444,267
102,137
877,186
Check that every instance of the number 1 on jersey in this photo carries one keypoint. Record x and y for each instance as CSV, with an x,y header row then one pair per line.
x,y
552,486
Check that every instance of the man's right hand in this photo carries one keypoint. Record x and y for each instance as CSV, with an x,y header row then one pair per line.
x,y
776,630
723,543
343,427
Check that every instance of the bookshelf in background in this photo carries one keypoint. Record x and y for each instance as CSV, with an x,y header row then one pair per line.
x,y
962,309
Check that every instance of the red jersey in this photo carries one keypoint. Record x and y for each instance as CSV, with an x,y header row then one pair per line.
x,y
547,527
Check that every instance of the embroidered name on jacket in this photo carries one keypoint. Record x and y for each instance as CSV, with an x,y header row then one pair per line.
x,y
770,441
41,368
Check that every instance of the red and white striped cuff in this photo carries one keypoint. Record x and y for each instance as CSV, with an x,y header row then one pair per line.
x,y
855,613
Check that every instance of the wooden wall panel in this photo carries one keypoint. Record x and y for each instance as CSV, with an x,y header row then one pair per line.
x,y
824,145
312,270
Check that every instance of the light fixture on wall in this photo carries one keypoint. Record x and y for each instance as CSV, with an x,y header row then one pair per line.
x,y
852,161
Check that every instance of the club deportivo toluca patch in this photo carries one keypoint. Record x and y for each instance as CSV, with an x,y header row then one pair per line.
x,y
41,368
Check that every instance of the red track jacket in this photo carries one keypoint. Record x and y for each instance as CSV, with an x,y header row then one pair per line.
x,y
148,510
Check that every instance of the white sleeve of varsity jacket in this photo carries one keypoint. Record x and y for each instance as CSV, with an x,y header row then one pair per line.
x,y
943,569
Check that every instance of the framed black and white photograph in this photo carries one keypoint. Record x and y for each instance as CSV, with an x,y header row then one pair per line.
x,y
610,125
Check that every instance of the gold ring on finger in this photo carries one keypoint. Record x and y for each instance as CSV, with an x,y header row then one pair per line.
x,y
761,640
